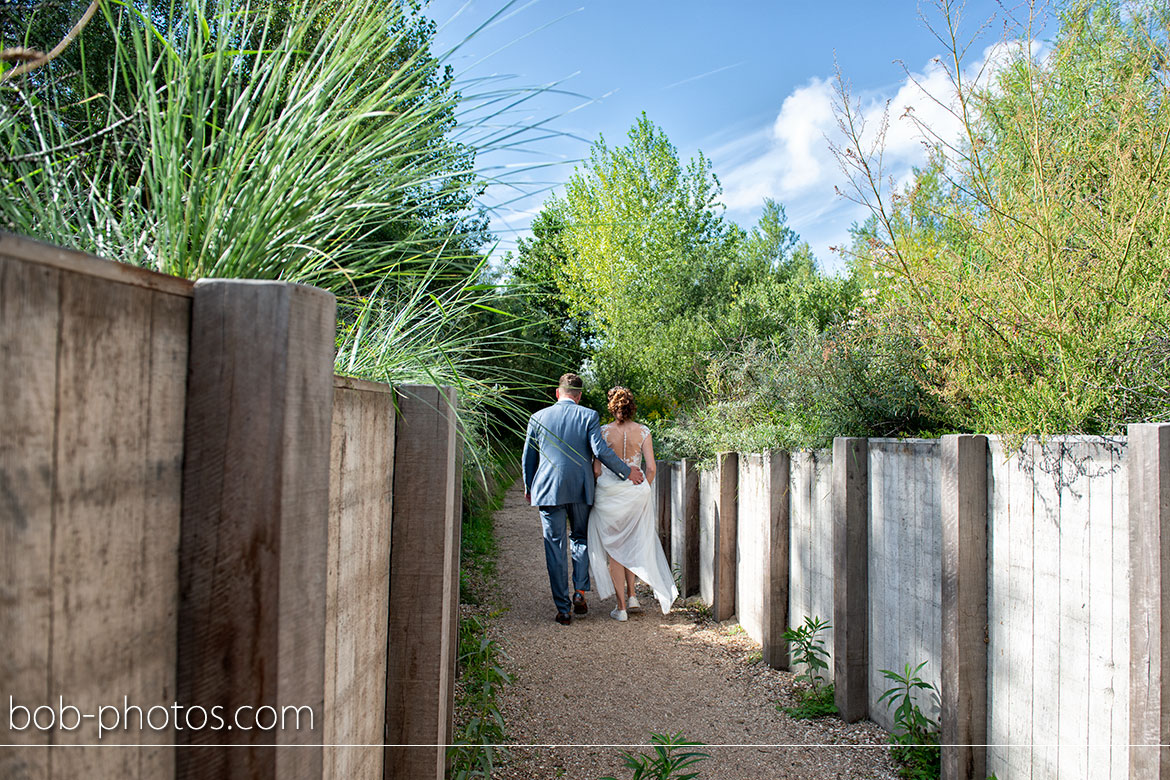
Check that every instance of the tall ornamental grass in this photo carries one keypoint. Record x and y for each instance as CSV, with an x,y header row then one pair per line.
x,y
311,142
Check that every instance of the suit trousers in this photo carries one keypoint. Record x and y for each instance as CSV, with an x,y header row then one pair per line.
x,y
555,520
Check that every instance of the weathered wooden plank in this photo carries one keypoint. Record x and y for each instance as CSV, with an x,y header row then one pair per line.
x,y
726,520
357,601
114,559
883,531
1149,550
776,560
850,580
964,607
29,308
423,570
48,256
253,558
662,493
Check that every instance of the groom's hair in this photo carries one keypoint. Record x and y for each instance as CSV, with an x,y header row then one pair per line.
x,y
571,383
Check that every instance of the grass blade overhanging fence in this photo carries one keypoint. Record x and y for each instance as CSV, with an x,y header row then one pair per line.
x,y
279,141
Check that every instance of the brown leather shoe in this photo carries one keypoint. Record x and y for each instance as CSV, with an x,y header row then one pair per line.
x,y
580,606
564,618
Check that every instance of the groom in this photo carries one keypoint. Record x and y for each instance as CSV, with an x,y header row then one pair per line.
x,y
558,477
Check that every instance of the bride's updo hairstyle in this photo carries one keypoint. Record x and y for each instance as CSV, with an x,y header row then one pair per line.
x,y
621,404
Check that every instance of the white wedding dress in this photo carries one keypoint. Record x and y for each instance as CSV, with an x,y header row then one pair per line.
x,y
622,524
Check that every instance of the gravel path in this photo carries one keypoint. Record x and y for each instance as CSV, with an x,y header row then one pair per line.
x,y
580,689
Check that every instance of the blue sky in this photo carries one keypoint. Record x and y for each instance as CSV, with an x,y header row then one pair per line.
x,y
748,83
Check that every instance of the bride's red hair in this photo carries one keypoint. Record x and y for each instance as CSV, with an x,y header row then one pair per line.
x,y
621,404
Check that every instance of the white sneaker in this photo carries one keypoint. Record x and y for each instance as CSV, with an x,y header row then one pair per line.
x,y
619,615
632,603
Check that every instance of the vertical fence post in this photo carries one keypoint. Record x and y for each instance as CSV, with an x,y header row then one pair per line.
x,y
776,560
684,525
850,577
662,494
424,584
726,532
357,607
252,568
1148,458
964,607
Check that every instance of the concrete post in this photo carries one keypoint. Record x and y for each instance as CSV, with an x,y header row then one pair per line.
x,y
684,526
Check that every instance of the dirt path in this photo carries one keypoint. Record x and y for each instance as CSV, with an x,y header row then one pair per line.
x,y
598,683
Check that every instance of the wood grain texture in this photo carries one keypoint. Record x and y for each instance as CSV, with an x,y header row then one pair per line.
x,y
776,560
850,581
48,256
726,521
1149,549
254,546
97,566
424,584
662,498
29,307
357,599
964,607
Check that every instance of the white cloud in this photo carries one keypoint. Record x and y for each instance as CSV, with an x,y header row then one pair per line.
x,y
792,162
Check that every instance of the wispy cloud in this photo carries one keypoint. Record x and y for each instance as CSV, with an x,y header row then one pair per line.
x,y
702,76
791,160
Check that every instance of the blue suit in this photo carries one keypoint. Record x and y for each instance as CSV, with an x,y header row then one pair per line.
x,y
558,456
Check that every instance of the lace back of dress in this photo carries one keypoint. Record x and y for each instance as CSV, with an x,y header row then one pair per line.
x,y
626,443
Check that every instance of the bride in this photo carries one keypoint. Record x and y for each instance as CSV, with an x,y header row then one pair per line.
x,y
621,525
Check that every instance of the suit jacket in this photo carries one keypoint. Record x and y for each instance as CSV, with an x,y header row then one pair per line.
x,y
558,455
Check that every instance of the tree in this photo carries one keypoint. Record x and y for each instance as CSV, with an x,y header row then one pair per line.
x,y
645,254
1030,259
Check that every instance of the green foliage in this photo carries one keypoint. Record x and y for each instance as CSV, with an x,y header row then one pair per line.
x,y
1030,261
667,762
644,284
644,260
916,735
809,650
479,724
802,387
312,141
320,156
811,703
482,677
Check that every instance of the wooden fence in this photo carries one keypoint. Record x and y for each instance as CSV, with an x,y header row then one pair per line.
x,y
1031,581
207,539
